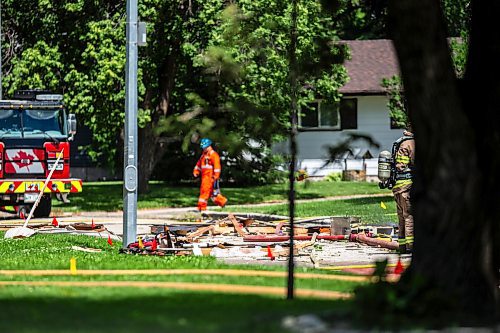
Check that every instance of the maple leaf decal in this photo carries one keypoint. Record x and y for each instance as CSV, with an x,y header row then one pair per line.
x,y
25,160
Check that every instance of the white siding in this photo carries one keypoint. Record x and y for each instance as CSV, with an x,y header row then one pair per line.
x,y
373,119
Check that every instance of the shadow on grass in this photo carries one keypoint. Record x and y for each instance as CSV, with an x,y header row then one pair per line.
x,y
109,196
167,312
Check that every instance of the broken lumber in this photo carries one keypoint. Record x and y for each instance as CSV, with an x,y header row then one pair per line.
x,y
200,232
237,225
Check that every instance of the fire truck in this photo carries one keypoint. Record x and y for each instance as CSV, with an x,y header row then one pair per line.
x,y
35,131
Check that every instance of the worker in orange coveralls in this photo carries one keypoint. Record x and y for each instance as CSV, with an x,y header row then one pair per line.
x,y
209,167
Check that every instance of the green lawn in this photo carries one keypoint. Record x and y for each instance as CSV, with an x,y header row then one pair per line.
x,y
108,196
127,309
132,309
106,310
368,209
54,252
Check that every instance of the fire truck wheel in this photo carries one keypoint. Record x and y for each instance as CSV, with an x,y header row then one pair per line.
x,y
44,206
23,212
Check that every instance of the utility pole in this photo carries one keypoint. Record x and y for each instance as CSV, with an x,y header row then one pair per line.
x,y
130,139
1,76
293,143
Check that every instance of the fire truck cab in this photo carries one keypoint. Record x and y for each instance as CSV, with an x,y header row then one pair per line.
x,y
34,131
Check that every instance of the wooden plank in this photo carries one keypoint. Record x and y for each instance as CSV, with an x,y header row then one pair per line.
x,y
200,232
237,226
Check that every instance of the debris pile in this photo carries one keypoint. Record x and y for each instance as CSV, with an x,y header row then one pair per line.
x,y
87,229
262,237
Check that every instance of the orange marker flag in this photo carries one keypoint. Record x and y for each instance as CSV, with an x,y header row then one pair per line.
x,y
93,225
110,241
55,223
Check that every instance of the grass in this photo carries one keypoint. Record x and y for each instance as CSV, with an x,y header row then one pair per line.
x,y
108,196
54,252
368,209
126,309
46,309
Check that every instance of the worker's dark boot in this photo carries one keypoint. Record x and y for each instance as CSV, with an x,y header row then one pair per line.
x,y
402,249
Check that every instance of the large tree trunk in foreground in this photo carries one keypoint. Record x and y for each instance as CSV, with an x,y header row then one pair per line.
x,y
453,223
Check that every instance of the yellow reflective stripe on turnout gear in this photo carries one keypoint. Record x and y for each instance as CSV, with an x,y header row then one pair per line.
x,y
409,239
403,159
401,183
402,241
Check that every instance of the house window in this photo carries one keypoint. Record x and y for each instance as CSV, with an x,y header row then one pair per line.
x,y
330,116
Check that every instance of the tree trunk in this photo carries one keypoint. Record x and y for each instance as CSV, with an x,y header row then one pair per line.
x,y
448,210
482,92
151,150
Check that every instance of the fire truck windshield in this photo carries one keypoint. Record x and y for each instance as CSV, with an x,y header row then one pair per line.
x,y
31,123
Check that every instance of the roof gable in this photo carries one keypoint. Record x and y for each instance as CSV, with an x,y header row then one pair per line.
x,y
371,61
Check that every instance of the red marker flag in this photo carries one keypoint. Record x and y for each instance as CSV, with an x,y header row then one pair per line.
x,y
93,225
110,241
21,215
54,222
154,246
270,253
399,268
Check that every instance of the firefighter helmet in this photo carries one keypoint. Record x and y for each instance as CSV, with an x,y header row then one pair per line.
x,y
205,142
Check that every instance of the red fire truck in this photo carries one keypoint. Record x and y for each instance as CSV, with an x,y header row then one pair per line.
x,y
34,131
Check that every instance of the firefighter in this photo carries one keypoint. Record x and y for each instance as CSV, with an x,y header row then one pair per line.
x,y
404,159
209,167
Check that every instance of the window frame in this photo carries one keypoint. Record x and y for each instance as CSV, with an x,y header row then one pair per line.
x,y
320,128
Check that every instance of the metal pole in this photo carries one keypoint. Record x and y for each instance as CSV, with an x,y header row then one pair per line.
x,y
1,77
130,139
293,144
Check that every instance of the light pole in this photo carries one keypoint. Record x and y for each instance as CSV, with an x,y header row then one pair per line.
x,y
1,77
130,139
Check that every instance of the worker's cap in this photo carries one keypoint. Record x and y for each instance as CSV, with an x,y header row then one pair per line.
x,y
205,142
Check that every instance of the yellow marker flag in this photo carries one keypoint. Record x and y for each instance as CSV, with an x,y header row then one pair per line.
x,y
72,266
141,246
382,205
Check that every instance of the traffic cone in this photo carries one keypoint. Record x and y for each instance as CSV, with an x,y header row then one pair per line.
x,y
270,253
55,223
110,241
399,267
154,246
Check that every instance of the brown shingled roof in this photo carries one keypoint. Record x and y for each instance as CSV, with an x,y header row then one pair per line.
x,y
371,61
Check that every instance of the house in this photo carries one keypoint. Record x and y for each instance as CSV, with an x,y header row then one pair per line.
x,y
363,110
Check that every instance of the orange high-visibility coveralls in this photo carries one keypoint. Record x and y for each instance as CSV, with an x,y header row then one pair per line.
x,y
209,167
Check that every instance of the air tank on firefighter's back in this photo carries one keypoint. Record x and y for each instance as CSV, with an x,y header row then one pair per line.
x,y
384,165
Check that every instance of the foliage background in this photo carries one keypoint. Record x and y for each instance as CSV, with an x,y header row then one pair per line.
x,y
210,68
